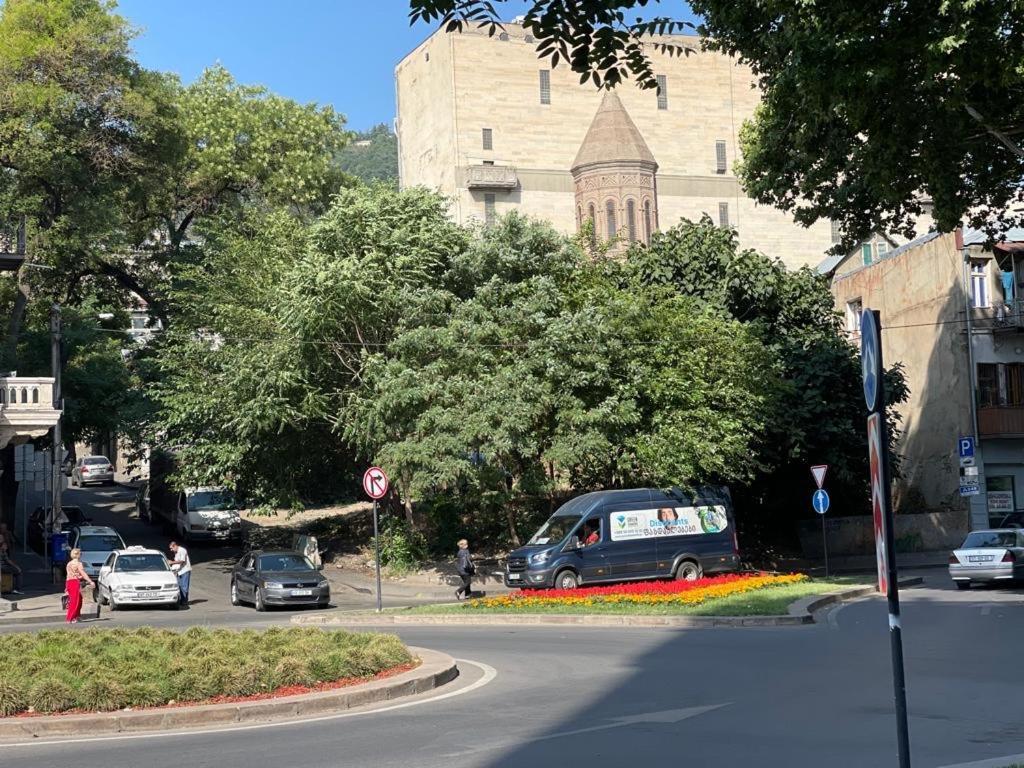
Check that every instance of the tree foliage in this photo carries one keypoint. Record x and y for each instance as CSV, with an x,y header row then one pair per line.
x,y
373,161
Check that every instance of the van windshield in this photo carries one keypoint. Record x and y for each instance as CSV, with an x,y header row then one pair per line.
x,y
210,501
555,529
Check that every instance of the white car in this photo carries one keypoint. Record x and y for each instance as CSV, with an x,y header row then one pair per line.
x,y
988,556
137,576
96,543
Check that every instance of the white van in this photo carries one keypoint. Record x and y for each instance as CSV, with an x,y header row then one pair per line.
x,y
207,513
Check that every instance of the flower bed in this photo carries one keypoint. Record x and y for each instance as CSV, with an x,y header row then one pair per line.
x,y
650,593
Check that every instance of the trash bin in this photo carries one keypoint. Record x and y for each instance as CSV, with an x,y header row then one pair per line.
x,y
58,548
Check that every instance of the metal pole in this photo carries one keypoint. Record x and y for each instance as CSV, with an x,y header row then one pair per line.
x,y
824,544
55,364
895,628
376,557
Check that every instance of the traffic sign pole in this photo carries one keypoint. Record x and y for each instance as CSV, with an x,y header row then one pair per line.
x,y
375,483
820,502
824,544
881,492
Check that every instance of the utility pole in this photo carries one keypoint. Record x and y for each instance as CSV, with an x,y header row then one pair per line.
x,y
55,363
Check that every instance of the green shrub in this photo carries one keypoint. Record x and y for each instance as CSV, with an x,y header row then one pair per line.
x,y
54,671
401,548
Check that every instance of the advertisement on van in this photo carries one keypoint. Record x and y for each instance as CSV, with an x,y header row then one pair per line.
x,y
667,521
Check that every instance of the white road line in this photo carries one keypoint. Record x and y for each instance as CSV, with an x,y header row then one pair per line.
x,y
995,762
489,673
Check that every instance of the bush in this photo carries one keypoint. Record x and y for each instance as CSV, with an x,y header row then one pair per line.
x,y
57,671
401,549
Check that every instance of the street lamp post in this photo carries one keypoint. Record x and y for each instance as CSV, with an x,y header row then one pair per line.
x,y
55,363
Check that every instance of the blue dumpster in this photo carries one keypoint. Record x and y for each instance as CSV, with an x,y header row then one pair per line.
x,y
58,548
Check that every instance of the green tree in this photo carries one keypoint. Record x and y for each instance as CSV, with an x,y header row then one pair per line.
x,y
372,155
867,111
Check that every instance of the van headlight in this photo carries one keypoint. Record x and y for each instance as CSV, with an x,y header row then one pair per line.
x,y
540,558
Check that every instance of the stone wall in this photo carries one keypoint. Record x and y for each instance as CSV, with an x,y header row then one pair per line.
x,y
928,532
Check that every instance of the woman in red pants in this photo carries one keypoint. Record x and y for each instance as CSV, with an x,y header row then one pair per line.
x,y
75,576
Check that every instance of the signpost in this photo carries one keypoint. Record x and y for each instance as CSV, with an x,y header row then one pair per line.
x,y
375,483
881,507
820,501
970,484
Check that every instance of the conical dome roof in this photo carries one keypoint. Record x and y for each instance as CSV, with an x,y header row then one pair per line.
x,y
613,137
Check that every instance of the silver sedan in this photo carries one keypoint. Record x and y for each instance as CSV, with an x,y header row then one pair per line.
x,y
995,555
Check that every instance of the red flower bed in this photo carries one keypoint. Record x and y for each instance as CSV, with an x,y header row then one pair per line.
x,y
642,587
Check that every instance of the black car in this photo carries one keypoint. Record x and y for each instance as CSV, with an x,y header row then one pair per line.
x,y
37,524
280,577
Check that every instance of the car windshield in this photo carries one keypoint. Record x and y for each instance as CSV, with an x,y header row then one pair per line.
x,y
95,460
555,529
140,563
210,501
104,542
273,563
982,539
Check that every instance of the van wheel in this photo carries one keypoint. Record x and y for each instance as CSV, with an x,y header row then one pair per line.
x,y
688,571
963,585
567,580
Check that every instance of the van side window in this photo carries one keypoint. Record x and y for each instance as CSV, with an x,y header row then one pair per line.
x,y
592,531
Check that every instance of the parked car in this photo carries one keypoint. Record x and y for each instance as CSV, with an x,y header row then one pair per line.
x,y
280,577
142,510
137,576
96,543
71,517
629,535
92,469
988,556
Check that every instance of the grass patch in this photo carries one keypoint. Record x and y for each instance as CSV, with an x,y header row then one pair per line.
x,y
770,601
107,669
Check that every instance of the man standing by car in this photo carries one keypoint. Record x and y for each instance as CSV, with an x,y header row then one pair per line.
x,y
182,567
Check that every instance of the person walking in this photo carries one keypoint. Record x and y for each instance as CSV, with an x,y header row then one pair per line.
x,y
464,565
182,567
73,585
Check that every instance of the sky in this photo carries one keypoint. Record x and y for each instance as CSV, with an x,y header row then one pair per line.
x,y
338,52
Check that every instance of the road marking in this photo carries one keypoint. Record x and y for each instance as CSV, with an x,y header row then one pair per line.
x,y
667,716
489,674
995,762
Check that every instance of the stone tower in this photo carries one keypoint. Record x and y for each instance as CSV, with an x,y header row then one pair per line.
x,y
615,177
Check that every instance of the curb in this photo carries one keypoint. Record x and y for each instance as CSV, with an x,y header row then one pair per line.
x,y
800,613
435,670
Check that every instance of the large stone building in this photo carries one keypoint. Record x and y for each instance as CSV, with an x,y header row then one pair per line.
x,y
486,122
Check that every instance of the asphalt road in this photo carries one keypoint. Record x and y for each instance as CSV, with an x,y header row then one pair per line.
x,y
607,698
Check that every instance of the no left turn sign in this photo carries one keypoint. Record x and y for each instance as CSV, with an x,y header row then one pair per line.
x,y
375,483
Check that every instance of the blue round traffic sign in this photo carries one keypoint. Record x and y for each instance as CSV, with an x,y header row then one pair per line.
x,y
869,358
820,501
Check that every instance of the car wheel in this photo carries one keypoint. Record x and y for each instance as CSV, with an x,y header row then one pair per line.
x,y
688,571
260,605
567,580
234,594
963,585
113,604
100,598
323,604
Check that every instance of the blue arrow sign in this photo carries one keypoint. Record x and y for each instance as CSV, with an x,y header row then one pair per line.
x,y
820,501
869,358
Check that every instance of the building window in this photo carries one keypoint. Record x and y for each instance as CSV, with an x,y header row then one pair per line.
x,y
609,209
882,247
979,283
579,216
723,214
662,92
631,220
1000,384
545,86
866,254
488,162
837,233
853,311
720,157
1001,498
489,213
488,136
426,56
647,222
592,214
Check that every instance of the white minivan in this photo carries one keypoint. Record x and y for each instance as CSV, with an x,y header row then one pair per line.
x,y
207,513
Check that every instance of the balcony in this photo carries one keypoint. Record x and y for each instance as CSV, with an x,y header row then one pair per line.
x,y
26,408
1001,421
501,177
12,245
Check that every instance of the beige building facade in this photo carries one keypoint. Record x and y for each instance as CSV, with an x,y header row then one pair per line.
x,y
484,121
952,316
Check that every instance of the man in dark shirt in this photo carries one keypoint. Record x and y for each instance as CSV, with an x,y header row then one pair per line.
x,y
464,565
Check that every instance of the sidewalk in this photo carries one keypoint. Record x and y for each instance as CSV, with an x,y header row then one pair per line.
x,y
867,563
41,595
